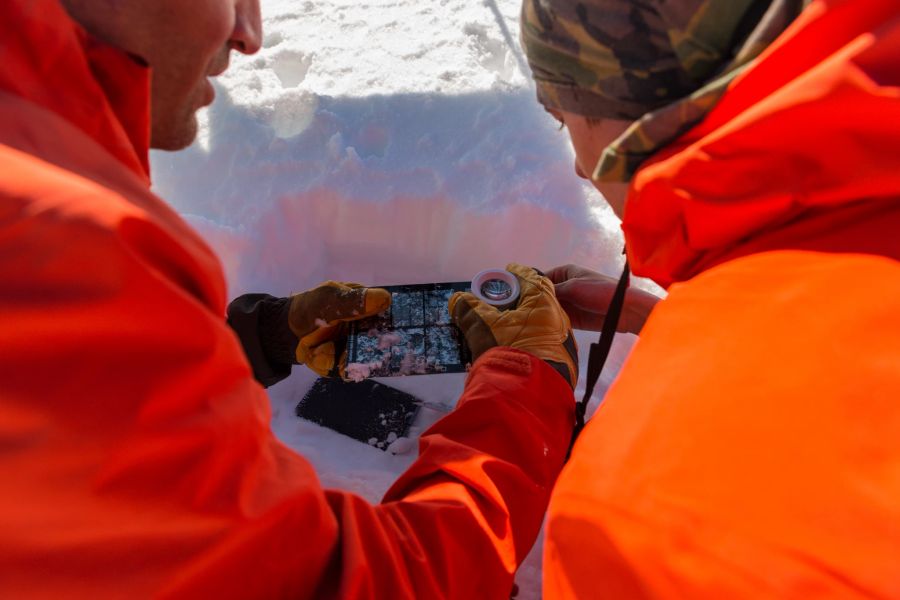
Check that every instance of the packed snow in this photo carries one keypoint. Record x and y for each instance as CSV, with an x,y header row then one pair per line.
x,y
385,142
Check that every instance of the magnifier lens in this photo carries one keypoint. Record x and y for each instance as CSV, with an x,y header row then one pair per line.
x,y
496,289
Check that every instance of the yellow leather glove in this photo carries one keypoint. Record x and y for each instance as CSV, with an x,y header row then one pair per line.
x,y
319,319
537,325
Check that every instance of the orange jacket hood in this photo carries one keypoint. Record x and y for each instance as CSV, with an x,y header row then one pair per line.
x,y
762,171
50,60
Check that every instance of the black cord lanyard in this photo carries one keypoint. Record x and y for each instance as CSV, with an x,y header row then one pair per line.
x,y
600,351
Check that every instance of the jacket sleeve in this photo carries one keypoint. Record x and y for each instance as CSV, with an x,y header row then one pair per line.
x,y
456,525
139,460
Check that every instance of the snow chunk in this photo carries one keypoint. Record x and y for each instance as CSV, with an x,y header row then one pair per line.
x,y
358,371
401,445
291,67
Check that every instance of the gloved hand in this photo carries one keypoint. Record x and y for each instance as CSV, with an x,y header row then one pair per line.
x,y
308,328
537,325
585,296
319,318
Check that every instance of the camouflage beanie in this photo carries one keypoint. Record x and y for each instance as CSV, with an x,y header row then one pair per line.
x,y
661,63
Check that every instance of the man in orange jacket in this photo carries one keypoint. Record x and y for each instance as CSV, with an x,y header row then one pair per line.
x,y
137,457
749,447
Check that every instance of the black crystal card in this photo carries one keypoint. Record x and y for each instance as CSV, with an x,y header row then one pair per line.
x,y
371,412
413,337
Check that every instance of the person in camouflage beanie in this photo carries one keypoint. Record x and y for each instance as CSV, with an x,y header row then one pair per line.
x,y
654,66
747,445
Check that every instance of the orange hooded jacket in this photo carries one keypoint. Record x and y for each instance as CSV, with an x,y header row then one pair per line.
x,y
135,448
750,447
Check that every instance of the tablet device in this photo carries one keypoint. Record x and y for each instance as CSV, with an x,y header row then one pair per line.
x,y
413,337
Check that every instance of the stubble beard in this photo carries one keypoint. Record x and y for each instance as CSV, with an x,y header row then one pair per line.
x,y
176,129
174,121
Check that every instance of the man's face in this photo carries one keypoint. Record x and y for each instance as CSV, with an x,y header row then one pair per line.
x,y
191,41
184,42
589,139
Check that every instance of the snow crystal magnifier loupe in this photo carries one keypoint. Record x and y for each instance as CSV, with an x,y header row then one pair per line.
x,y
496,287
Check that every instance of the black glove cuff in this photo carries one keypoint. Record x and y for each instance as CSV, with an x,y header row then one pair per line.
x,y
261,323
278,341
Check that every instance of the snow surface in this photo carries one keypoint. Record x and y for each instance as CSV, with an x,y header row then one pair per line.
x,y
385,142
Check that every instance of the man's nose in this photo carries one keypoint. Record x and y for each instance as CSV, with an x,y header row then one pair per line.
x,y
247,35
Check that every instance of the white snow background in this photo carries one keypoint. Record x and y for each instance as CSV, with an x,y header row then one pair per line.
x,y
385,142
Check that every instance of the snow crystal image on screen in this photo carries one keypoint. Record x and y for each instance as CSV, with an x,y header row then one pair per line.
x,y
407,309
442,346
415,336
391,352
436,310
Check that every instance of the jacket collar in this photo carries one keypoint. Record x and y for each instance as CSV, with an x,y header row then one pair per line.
x,y
48,59
808,131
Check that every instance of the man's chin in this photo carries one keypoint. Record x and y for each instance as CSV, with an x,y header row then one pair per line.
x,y
174,136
